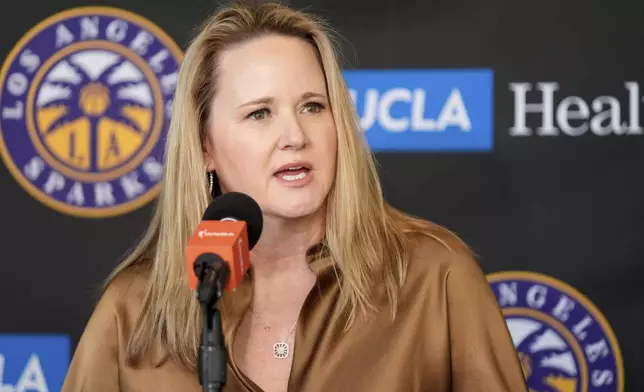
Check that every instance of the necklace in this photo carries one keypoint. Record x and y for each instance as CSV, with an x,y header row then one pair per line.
x,y
281,349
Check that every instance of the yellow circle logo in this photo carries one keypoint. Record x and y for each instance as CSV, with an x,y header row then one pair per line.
x,y
85,103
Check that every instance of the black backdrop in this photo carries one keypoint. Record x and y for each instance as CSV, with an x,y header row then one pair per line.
x,y
568,207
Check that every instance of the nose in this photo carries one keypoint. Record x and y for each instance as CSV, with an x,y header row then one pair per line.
x,y
293,136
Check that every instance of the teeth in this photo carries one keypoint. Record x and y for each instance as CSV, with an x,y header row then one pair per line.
x,y
295,168
296,177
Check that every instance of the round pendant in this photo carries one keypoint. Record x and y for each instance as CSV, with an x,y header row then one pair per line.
x,y
280,350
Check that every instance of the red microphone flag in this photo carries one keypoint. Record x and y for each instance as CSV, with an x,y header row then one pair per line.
x,y
229,240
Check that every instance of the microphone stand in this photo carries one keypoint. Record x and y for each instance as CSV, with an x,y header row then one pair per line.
x,y
213,274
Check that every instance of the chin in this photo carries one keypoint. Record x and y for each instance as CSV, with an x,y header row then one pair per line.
x,y
295,207
298,210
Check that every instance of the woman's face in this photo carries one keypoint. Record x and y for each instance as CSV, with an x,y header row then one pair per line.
x,y
272,133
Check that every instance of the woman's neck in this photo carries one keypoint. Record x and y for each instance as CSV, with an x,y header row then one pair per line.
x,y
281,274
284,244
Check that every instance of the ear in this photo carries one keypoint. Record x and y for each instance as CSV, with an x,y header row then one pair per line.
x,y
208,156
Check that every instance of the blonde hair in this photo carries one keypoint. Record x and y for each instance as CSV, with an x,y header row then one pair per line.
x,y
365,238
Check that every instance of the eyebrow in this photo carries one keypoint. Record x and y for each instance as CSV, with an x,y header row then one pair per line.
x,y
263,100
311,94
268,100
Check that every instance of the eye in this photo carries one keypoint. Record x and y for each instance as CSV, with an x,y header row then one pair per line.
x,y
313,107
260,114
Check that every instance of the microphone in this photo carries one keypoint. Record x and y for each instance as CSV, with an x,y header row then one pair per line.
x,y
219,247
217,258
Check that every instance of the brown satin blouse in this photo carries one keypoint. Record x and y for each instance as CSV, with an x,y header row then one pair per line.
x,y
448,335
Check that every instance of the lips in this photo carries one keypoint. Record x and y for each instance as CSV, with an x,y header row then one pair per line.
x,y
294,174
293,168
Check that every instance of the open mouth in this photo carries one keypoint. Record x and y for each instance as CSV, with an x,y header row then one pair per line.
x,y
293,172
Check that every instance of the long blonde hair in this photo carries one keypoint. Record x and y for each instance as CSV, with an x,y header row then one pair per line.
x,y
365,238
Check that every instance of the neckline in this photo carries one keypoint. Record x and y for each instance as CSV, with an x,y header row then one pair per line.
x,y
319,262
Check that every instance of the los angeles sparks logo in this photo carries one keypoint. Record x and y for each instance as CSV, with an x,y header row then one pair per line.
x,y
564,343
85,102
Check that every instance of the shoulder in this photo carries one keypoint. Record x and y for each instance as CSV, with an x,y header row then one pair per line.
x,y
439,251
99,352
116,313
447,281
432,250
127,287
122,296
439,259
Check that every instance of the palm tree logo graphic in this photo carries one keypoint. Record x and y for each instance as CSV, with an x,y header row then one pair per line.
x,y
549,363
94,111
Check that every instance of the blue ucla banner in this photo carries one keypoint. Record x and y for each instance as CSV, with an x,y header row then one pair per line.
x,y
33,362
425,110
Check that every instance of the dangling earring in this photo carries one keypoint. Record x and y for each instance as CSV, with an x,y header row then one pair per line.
x,y
211,182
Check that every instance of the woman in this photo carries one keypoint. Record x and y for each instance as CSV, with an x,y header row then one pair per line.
x,y
360,296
